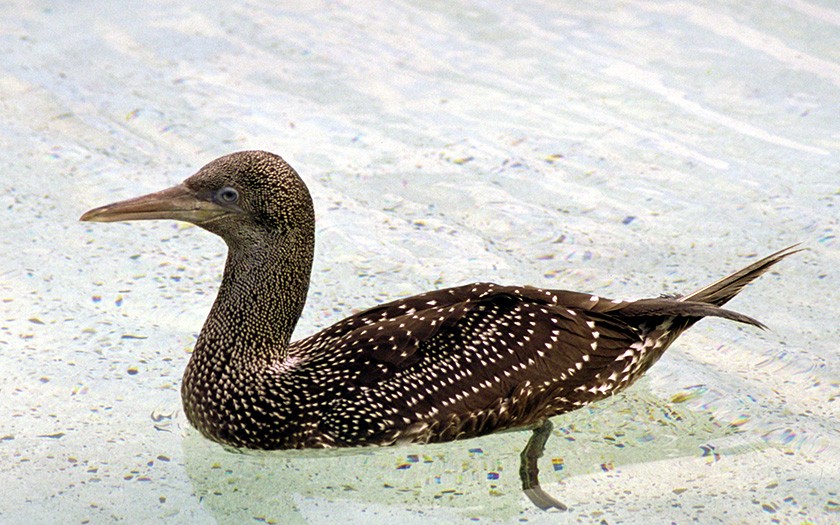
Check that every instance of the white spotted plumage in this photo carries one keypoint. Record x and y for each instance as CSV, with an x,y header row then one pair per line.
x,y
450,364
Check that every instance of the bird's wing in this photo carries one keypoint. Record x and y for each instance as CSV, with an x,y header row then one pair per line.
x,y
470,360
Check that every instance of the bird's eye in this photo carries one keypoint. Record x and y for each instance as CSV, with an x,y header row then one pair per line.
x,y
227,195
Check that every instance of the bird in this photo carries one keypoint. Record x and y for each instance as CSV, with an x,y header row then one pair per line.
x,y
444,365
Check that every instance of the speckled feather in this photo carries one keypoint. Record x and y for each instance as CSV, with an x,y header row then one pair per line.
x,y
448,364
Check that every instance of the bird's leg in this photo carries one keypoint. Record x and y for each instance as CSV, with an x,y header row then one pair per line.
x,y
529,470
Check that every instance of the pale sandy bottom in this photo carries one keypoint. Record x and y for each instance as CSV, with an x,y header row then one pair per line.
x,y
626,148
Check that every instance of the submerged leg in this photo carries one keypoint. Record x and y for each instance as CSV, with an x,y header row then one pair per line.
x,y
529,470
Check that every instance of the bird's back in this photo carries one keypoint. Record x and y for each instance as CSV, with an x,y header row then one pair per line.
x,y
466,361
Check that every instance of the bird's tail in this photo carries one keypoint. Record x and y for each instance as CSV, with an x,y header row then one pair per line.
x,y
707,301
721,291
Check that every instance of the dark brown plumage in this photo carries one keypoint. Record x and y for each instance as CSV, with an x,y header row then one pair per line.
x,y
448,364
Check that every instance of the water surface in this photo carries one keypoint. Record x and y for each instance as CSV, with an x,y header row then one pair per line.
x,y
631,148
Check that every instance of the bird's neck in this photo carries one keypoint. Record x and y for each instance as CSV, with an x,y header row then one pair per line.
x,y
260,300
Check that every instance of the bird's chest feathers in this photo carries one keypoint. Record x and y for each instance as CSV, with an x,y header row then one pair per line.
x,y
232,403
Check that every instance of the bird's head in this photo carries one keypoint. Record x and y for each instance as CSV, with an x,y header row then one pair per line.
x,y
238,196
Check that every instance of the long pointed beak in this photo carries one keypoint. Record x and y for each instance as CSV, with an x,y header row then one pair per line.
x,y
178,203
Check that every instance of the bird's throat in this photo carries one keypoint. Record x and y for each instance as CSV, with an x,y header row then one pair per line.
x,y
260,300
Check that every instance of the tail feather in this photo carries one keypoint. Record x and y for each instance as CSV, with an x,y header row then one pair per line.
x,y
707,301
696,310
720,292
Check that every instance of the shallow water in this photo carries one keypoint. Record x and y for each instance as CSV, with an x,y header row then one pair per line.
x,y
629,149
